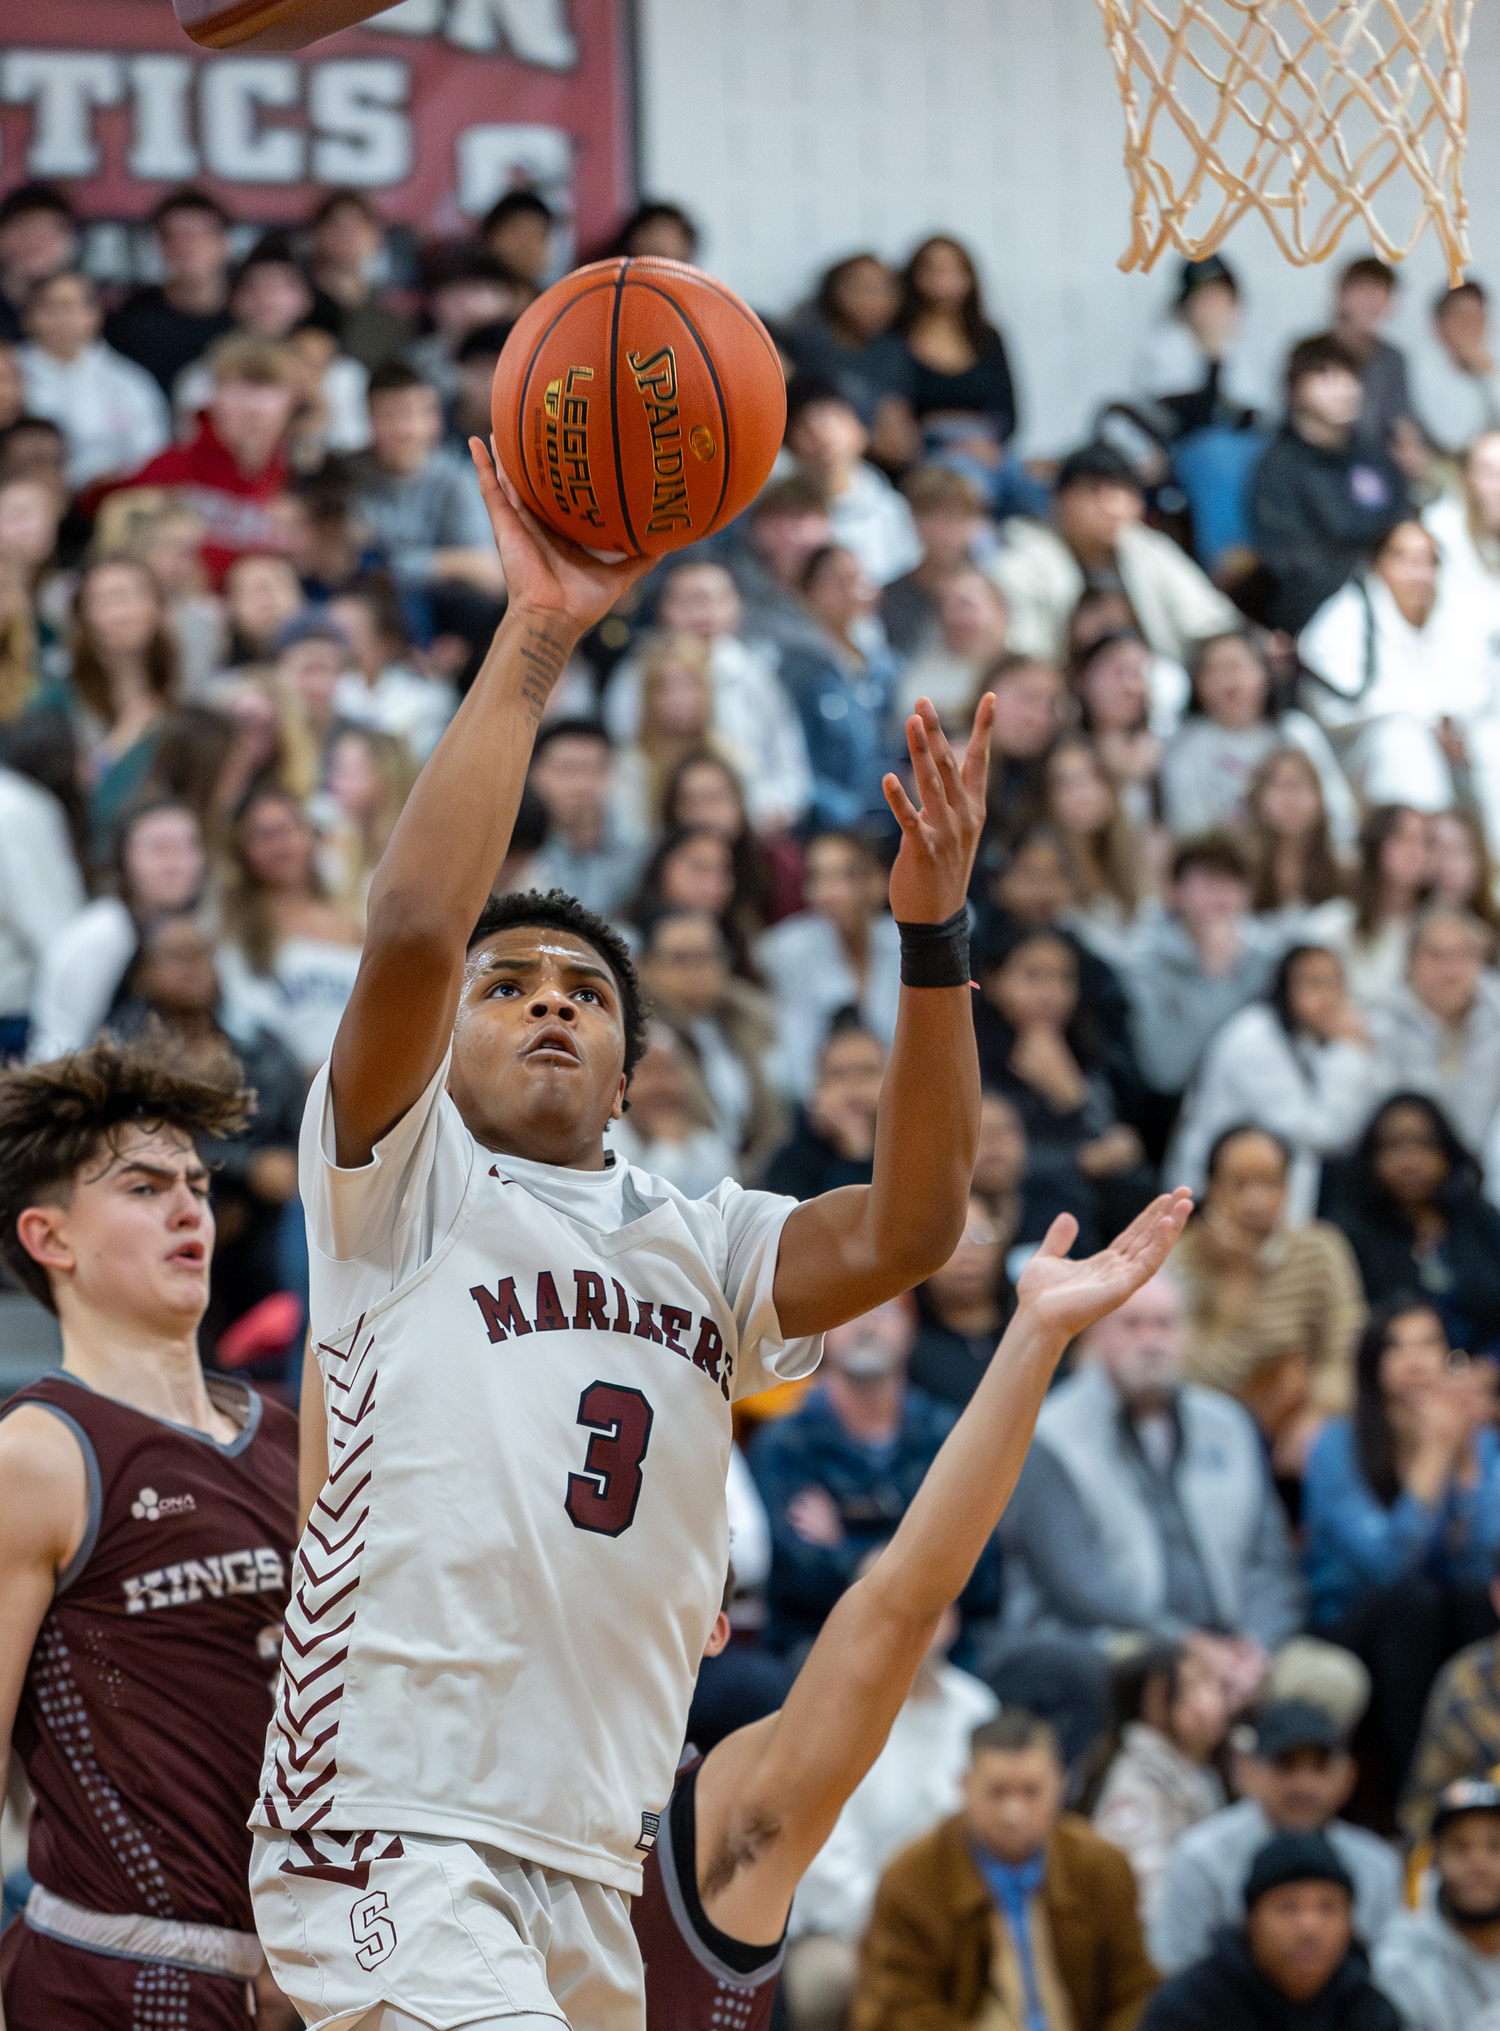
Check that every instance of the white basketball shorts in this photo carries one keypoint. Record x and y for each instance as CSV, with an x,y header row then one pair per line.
x,y
449,1932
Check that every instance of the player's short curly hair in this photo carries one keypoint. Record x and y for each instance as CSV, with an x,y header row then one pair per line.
x,y
57,1118
558,911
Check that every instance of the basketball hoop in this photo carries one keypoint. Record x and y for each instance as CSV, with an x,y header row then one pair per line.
x,y
1301,110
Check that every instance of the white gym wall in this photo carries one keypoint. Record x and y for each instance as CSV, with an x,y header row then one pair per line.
x,y
799,130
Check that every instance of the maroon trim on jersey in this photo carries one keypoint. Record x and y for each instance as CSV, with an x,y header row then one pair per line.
x,y
351,1867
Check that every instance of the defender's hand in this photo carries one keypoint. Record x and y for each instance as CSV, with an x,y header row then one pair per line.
x,y
1066,1296
545,573
930,880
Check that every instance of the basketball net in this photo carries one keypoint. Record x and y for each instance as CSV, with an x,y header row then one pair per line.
x,y
1303,112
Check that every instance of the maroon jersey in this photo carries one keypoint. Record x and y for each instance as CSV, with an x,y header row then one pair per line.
x,y
143,1717
697,1978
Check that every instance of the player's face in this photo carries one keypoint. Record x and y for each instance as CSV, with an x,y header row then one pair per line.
x,y
136,1237
539,1047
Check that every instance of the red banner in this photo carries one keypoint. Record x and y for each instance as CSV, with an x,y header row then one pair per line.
x,y
434,108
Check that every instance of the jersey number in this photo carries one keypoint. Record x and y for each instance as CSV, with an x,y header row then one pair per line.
x,y
374,1934
604,1495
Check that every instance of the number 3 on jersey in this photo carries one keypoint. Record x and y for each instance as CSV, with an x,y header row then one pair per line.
x,y
603,1497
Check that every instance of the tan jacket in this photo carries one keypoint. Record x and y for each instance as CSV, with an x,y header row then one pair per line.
x,y
929,1959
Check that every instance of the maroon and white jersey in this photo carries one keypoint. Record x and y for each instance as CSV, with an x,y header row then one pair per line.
x,y
697,1978
144,1711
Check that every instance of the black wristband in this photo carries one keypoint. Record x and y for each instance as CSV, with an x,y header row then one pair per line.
x,y
936,955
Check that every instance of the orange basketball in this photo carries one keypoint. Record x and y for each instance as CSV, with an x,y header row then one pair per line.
x,y
638,405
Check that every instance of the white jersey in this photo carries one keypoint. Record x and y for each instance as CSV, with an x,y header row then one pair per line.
x,y
505,1587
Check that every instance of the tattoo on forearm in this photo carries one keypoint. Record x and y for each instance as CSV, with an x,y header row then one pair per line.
x,y
542,660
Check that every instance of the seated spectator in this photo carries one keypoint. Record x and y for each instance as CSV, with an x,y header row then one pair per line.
x,y
19,673
843,690
257,1249
833,1140
290,953
370,777
30,511
1298,1066
158,864
1439,1033
1409,1201
676,716
1273,1308
41,892
167,537
312,656
828,442
837,1474
844,337
724,1028
704,792
1019,1210
751,710
236,466
1440,1965
1460,1736
785,523
38,237
1371,928
1111,681
1110,856
261,595
1294,1779
1030,708
959,386
421,500
1456,391
1200,380
1199,964
348,241
1102,611
1321,500
915,1781
670,1130
583,851
1463,872
1011,1913
951,525
464,286
842,950
517,229
1401,1507
659,227
1363,304
1157,1764
963,1308
382,690
1297,866
109,409
1466,525
1146,1506
970,640
1296,1959
1096,538
470,414
167,325
124,679
697,871
1387,685
213,756
1045,1051
1230,729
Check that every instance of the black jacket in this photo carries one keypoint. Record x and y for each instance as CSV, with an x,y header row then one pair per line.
x,y
1317,514
1462,1280
807,1166
1227,1992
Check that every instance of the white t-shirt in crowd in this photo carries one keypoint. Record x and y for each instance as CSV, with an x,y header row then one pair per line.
x,y
512,1571
302,997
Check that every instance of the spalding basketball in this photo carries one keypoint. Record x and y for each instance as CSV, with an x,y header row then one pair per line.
x,y
638,406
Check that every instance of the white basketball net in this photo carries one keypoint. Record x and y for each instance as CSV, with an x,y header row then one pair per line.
x,y
1300,111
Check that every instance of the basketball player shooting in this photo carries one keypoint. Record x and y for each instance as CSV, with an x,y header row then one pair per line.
x,y
528,1353
746,1821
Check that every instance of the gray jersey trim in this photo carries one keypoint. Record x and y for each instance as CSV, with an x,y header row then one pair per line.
x,y
720,1970
90,1537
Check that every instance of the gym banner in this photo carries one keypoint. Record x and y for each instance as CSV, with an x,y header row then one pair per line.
x,y
434,108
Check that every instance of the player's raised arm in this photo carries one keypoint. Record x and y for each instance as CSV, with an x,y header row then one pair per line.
x,y
768,1796
850,1250
450,839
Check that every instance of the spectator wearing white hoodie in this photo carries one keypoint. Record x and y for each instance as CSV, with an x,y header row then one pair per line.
x,y
828,442
110,410
1440,1965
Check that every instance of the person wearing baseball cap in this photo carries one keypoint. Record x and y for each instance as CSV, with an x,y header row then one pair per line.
x,y
1294,1961
1441,1965
1295,1772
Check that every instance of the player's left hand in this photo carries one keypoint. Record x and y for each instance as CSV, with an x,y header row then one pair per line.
x,y
1066,1296
930,880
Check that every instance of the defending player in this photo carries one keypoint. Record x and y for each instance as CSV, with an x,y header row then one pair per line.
x,y
529,1354
746,1821
146,1525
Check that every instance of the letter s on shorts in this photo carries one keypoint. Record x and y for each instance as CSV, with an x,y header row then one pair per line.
x,y
374,1934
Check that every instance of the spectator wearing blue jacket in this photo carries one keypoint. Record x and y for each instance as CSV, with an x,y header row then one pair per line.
x,y
838,1474
842,684
1401,1507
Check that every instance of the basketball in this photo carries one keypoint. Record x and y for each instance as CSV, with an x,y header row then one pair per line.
x,y
638,406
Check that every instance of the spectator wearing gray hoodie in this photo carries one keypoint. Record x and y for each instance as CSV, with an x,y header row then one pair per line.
x,y
1439,1033
1440,1965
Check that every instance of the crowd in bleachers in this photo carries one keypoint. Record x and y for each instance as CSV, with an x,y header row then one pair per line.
x,y
1234,925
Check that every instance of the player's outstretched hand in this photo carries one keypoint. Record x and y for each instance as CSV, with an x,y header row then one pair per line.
x,y
1065,1296
545,572
930,880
